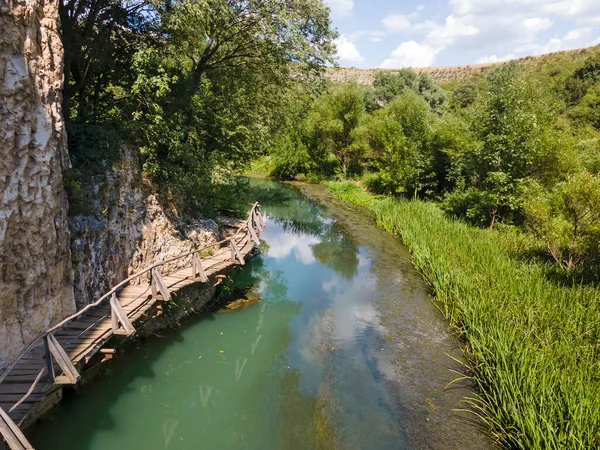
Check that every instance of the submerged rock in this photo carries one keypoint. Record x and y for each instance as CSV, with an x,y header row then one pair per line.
x,y
240,304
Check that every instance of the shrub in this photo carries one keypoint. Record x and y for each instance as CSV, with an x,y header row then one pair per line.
x,y
569,220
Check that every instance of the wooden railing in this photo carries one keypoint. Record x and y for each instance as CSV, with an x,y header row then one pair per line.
x,y
54,353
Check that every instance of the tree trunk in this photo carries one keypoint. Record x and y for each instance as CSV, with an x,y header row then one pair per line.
x,y
493,213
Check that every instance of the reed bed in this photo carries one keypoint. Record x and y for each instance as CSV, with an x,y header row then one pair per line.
x,y
532,345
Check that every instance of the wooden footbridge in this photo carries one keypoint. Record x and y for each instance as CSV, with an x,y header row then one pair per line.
x,y
52,358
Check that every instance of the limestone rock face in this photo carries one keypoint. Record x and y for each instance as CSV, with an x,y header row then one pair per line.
x,y
127,230
35,258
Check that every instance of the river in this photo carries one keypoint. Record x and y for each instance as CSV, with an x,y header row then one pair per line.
x,y
339,347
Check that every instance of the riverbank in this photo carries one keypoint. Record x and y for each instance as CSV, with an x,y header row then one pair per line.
x,y
532,344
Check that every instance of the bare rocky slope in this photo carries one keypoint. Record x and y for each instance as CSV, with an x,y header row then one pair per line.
x,y
444,74
126,229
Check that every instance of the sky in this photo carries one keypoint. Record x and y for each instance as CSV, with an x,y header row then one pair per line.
x,y
424,33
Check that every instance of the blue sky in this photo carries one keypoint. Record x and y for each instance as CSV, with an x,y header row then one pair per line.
x,y
394,34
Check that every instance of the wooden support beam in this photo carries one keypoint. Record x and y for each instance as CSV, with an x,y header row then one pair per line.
x,y
235,253
197,268
118,315
108,354
49,364
158,285
13,436
70,374
153,287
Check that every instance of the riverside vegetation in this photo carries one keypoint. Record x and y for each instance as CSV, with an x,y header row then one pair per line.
x,y
493,183
532,345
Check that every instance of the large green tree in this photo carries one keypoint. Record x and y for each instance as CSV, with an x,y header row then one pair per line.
x,y
196,85
514,124
332,124
396,140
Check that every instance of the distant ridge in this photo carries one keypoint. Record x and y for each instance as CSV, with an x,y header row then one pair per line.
x,y
450,74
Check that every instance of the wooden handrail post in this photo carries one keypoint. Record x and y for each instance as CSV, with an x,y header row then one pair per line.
x,y
252,233
257,221
70,374
197,268
14,437
235,253
158,285
260,217
118,315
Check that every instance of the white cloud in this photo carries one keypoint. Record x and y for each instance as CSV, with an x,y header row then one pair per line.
x,y
537,24
410,54
377,36
454,28
340,8
494,30
494,59
347,53
576,38
579,34
553,45
571,8
300,246
396,22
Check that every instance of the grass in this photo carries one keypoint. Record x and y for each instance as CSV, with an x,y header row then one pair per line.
x,y
532,346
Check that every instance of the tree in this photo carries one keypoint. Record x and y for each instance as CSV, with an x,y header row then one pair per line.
x,y
454,146
389,85
224,69
465,94
582,79
333,121
433,94
398,138
587,111
275,37
196,85
99,39
515,130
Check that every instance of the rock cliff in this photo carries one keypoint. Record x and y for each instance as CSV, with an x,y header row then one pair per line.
x,y
35,258
127,230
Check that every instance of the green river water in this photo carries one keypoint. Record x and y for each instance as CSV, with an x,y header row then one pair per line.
x,y
342,348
